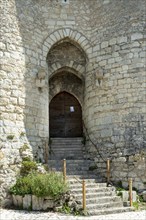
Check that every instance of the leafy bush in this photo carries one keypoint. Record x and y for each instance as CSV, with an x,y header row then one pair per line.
x,y
41,185
28,166
50,184
22,186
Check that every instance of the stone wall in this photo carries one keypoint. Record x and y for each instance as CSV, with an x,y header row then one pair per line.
x,y
110,34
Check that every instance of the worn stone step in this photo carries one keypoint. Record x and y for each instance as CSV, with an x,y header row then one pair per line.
x,y
93,182
97,195
66,157
69,150
66,140
89,184
112,210
66,145
67,153
93,190
79,172
104,205
71,161
80,178
70,166
102,200
73,170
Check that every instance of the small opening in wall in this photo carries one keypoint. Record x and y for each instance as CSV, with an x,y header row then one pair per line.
x,y
65,1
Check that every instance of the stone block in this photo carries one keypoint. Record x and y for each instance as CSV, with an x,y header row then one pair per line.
x,y
112,41
17,200
48,203
37,203
144,196
40,83
125,196
122,39
41,74
104,44
136,36
27,201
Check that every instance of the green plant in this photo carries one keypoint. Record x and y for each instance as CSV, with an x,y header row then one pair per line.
x,y
119,191
50,184
23,148
41,185
27,167
22,186
10,137
91,168
22,134
119,184
27,159
136,205
65,209
46,167
140,198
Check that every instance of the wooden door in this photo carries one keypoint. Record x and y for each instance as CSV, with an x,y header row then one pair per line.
x,y
65,116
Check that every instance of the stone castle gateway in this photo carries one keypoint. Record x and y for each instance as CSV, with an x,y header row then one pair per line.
x,y
67,65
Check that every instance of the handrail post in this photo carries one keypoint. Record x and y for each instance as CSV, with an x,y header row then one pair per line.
x,y
64,170
130,191
84,194
108,171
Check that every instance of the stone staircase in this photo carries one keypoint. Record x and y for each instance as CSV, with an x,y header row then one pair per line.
x,y
100,199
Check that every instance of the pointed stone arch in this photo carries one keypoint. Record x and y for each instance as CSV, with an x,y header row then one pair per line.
x,y
71,34
56,68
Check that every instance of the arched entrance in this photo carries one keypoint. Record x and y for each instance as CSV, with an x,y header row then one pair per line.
x,y
65,116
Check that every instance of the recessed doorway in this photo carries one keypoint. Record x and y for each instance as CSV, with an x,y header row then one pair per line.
x,y
65,115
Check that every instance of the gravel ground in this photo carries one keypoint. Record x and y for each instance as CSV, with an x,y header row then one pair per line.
x,y
6,214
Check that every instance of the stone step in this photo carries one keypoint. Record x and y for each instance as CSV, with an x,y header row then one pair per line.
x,y
67,153
66,157
93,190
66,140
102,200
73,169
112,210
77,161
97,195
79,172
68,149
70,145
104,205
88,184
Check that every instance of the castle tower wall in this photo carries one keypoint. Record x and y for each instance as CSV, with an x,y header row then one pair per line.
x,y
111,35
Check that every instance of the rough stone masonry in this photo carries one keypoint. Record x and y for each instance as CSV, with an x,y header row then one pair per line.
x,y
93,49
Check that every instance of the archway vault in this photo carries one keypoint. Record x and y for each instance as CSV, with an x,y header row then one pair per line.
x,y
66,55
66,81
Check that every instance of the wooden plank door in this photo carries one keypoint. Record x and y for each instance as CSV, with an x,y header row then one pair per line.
x,y
65,116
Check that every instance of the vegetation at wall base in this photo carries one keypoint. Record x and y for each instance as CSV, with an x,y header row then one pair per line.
x,y
41,185
28,166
